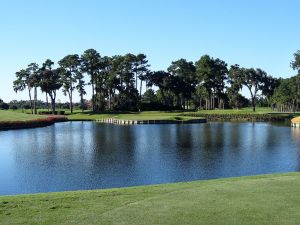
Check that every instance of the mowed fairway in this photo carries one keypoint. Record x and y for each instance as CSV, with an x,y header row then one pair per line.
x,y
7,115
269,199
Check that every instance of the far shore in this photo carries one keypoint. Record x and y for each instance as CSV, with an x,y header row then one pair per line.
x,y
17,120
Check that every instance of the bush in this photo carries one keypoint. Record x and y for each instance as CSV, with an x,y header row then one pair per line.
x,y
13,107
45,112
27,106
156,106
178,118
4,106
60,112
84,107
237,117
126,101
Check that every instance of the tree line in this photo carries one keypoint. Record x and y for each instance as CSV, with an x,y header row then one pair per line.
x,y
118,82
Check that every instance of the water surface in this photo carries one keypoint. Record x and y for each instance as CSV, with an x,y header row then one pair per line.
x,y
87,155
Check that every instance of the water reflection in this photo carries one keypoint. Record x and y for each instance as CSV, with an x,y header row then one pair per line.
x,y
85,155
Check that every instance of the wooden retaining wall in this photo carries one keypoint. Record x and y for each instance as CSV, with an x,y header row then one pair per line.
x,y
132,122
295,125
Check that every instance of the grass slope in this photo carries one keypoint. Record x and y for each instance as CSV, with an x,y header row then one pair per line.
x,y
7,115
269,199
149,115
156,115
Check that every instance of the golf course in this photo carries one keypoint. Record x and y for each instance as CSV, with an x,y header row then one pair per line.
x,y
150,112
266,199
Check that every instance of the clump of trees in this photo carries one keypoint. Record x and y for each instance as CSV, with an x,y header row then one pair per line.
x,y
117,83
286,94
3,105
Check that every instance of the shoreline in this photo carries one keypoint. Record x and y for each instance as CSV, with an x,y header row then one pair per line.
x,y
130,119
213,180
152,121
215,201
29,124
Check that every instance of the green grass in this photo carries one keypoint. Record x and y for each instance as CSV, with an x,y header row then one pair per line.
x,y
149,115
7,115
155,115
158,115
268,199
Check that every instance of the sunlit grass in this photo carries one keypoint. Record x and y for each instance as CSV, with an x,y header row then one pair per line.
x,y
7,115
270,199
149,115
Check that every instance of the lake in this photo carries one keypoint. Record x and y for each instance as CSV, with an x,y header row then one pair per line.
x,y
87,155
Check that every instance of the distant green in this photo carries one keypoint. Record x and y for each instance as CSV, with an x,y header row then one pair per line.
x,y
148,115
10,115
267,199
156,115
153,115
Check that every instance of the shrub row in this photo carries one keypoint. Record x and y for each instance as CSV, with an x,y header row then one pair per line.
x,y
7,125
239,117
4,106
50,112
156,106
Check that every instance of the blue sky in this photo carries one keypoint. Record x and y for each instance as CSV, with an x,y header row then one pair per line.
x,y
251,33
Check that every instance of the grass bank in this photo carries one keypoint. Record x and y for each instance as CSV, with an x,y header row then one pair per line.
x,y
245,114
16,120
148,115
268,199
